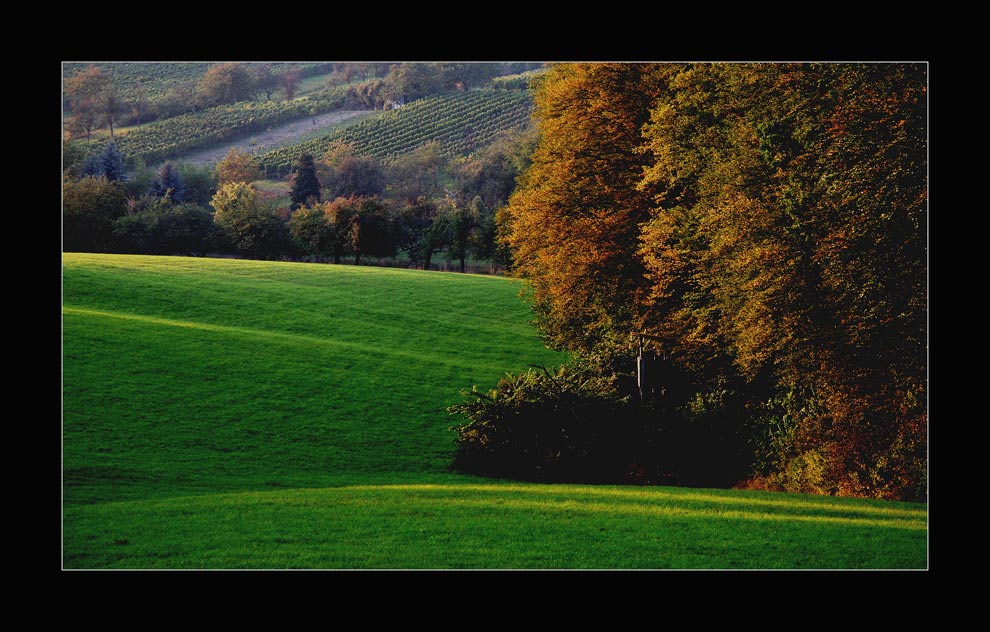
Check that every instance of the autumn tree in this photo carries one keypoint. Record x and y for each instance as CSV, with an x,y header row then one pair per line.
x,y
224,83
312,231
111,105
768,221
288,81
574,220
85,92
237,166
264,79
305,186
249,223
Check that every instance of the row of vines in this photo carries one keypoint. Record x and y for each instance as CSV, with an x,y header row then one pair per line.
x,y
179,135
460,122
154,80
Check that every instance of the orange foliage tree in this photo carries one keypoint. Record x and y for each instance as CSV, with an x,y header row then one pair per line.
x,y
770,219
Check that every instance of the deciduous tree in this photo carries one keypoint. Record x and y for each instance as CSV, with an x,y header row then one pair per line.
x,y
237,166
372,230
312,231
89,208
249,223
85,94
224,83
288,81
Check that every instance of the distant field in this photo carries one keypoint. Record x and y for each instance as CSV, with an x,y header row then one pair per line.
x,y
242,414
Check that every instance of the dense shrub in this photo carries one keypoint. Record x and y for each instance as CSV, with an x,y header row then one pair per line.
x,y
311,231
89,208
249,224
585,422
545,426
199,183
166,229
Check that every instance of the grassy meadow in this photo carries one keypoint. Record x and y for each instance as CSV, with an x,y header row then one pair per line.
x,y
243,414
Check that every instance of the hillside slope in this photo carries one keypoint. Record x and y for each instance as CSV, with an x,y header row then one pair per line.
x,y
460,122
245,414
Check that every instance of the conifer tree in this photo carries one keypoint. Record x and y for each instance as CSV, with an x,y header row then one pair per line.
x,y
167,182
111,163
306,185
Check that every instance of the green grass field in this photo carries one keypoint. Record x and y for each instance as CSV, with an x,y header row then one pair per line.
x,y
237,414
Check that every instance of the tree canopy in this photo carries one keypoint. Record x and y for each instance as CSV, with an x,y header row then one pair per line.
x,y
769,220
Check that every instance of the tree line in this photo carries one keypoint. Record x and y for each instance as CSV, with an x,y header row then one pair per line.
x,y
342,207
766,224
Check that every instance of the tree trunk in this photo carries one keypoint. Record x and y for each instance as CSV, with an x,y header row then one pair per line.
x,y
111,127
357,258
462,263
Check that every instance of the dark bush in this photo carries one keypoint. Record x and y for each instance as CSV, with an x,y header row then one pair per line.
x,y
574,425
543,426
166,229
89,208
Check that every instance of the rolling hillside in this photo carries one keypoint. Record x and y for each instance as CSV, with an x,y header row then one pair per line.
x,y
460,122
236,414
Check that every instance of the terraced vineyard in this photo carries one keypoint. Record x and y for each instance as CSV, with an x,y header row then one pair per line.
x,y
182,134
154,79
461,122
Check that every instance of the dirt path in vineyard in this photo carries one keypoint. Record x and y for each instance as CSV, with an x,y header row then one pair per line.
x,y
280,135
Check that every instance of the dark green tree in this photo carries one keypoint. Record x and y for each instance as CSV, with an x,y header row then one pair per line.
x,y
112,163
421,232
462,221
372,230
168,182
165,228
140,180
199,184
91,167
306,186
